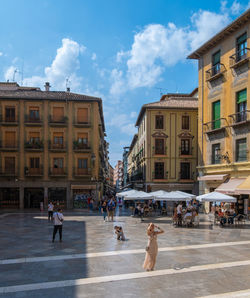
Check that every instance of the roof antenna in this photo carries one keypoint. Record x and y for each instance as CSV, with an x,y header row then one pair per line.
x,y
14,74
161,89
67,84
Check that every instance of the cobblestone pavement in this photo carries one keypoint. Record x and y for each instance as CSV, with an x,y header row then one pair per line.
x,y
90,262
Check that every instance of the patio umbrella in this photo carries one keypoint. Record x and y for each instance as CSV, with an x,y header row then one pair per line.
x,y
125,193
175,196
139,195
158,193
216,197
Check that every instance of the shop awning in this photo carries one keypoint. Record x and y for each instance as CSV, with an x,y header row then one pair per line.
x,y
244,187
229,186
83,186
213,177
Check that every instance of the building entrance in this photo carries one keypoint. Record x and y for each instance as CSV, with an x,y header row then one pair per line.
x,y
9,198
58,196
33,197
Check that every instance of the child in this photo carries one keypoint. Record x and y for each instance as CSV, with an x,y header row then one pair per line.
x,y
119,233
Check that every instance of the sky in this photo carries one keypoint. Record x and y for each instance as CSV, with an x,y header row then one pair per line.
x,y
128,52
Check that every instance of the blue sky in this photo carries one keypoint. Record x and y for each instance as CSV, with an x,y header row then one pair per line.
x,y
120,50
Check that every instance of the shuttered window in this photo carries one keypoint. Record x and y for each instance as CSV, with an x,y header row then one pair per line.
x,y
216,114
82,138
159,170
159,146
34,137
185,122
82,115
58,113
10,114
35,163
9,165
58,138
82,163
10,139
241,96
159,122
241,150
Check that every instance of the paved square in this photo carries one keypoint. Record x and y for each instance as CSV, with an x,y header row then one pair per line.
x,y
90,262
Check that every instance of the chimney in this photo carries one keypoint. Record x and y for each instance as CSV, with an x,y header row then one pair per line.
x,y
68,89
47,86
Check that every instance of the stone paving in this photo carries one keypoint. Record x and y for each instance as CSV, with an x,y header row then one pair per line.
x,y
81,266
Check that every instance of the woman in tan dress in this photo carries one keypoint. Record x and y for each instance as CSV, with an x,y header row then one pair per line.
x,y
152,247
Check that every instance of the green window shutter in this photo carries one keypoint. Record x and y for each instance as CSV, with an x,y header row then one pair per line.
x,y
216,114
216,58
242,38
241,150
242,96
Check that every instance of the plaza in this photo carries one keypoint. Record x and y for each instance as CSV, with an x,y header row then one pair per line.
x,y
192,262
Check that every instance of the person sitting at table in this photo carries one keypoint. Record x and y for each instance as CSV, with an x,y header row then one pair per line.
x,y
179,214
146,209
188,213
222,217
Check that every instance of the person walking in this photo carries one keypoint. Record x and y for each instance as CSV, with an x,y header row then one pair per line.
x,y
152,247
50,211
58,223
104,210
111,209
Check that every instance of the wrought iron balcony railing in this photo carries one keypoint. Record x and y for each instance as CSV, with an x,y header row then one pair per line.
x,y
57,146
240,56
82,172
218,124
240,117
38,145
54,120
216,71
57,171
32,120
81,146
31,172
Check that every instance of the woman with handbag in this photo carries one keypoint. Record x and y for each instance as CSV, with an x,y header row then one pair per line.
x,y
152,247
58,222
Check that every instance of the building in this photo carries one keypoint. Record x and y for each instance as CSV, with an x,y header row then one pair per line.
x,y
163,155
118,175
111,176
125,166
51,147
224,111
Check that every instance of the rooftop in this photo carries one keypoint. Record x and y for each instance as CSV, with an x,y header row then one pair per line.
x,y
231,28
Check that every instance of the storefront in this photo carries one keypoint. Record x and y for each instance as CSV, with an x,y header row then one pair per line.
x,y
58,195
33,197
9,198
81,195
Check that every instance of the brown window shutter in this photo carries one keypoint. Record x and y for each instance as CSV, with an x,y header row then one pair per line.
x,y
58,113
82,115
10,138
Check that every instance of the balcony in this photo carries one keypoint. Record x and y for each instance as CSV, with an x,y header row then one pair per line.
x,y
239,58
57,147
185,153
215,126
82,124
57,172
215,72
8,146
9,121
81,147
160,176
186,177
80,172
159,151
9,173
33,172
33,146
54,121
240,119
32,121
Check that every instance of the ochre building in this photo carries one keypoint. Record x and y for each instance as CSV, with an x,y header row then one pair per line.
x,y
163,154
224,112
52,147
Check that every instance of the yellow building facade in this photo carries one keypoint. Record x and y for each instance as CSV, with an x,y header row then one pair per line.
x,y
52,147
224,111
163,155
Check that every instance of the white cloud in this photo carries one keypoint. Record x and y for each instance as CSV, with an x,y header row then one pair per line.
x,y
123,123
1,54
10,73
133,114
157,47
64,66
236,8
93,57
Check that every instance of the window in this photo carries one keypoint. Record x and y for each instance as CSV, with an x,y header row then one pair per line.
x,y
82,139
82,115
34,137
34,113
159,146
216,63
185,122
9,165
10,139
58,163
159,170
159,122
58,114
82,163
215,154
241,105
241,150
185,147
216,114
58,140
35,163
241,47
10,115
185,170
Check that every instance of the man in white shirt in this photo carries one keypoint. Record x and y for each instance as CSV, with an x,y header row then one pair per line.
x,y
179,214
50,211
58,220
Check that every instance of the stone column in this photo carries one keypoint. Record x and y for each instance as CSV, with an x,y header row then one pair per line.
x,y
69,197
46,198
